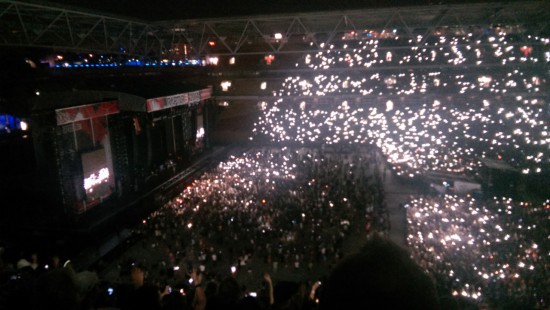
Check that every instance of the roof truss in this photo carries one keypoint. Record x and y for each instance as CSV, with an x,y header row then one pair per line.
x,y
33,25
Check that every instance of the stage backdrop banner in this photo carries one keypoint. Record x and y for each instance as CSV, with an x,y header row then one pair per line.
x,y
84,112
161,103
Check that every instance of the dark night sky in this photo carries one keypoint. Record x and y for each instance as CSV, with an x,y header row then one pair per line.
x,y
188,9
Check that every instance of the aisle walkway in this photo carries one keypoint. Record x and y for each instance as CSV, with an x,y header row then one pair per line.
x,y
397,191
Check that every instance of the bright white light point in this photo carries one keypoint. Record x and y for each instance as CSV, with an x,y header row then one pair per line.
x,y
24,126
225,85
389,105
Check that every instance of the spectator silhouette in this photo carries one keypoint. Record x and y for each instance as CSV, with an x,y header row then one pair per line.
x,y
228,295
56,289
140,295
288,295
380,276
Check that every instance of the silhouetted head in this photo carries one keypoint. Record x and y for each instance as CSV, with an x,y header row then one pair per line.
x,y
380,276
228,291
56,289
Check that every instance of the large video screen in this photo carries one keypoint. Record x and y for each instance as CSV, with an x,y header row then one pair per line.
x,y
98,179
200,128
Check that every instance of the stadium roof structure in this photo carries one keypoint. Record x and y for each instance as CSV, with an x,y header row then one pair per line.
x,y
24,24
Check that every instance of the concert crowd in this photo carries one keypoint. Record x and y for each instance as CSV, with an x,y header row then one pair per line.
x,y
284,215
493,251
436,117
270,224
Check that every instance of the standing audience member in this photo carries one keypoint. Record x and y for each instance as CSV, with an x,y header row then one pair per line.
x,y
380,276
139,294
